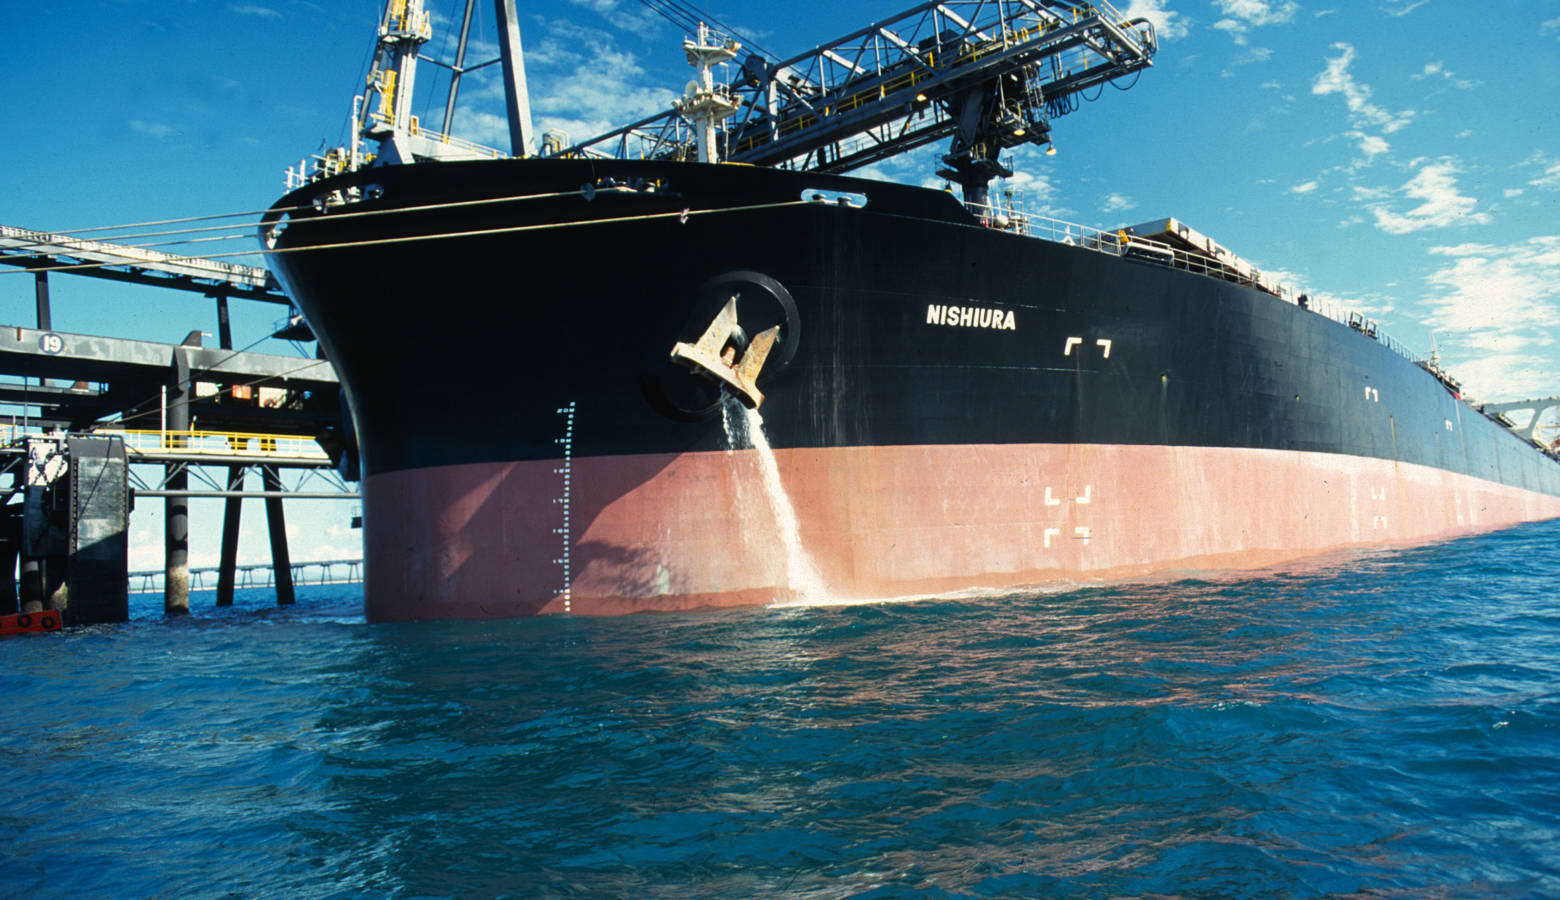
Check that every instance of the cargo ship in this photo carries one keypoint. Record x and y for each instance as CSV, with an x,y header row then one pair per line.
x,y
544,358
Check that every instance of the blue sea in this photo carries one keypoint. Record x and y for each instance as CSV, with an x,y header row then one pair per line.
x,y
1382,724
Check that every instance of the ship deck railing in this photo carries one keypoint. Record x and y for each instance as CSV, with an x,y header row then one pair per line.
x,y
338,160
1122,244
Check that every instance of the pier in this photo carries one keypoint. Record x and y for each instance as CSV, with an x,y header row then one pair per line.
x,y
319,571
98,423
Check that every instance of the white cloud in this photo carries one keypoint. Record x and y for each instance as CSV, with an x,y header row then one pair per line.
x,y
1501,306
1168,24
1241,16
1235,29
251,9
1441,205
581,83
1402,7
1304,188
1114,202
484,128
1259,12
1550,178
1550,26
608,90
156,129
1437,70
1372,303
1371,145
1031,192
633,17
1335,79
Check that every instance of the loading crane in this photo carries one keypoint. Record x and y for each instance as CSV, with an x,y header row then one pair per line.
x,y
989,75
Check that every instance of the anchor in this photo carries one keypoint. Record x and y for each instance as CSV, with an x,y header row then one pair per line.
x,y
718,354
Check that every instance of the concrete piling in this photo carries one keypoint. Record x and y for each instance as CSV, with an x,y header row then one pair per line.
x,y
232,511
176,508
280,559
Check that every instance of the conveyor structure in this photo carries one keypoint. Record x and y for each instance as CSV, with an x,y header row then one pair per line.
x,y
45,251
988,75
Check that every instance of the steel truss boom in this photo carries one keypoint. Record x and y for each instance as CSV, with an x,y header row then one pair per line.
x,y
990,74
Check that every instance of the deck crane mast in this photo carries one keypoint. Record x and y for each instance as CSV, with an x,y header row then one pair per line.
x,y
383,113
989,75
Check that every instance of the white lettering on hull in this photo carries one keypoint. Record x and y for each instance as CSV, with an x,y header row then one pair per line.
x,y
971,317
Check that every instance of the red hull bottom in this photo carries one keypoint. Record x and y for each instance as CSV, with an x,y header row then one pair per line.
x,y
610,535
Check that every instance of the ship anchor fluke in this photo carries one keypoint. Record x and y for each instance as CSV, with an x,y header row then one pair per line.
x,y
719,354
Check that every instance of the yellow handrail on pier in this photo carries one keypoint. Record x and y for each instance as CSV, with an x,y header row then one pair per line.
x,y
220,443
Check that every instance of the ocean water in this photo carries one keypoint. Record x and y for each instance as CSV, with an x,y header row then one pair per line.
x,y
1384,724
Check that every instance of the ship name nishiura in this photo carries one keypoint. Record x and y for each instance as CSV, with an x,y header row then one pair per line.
x,y
970,317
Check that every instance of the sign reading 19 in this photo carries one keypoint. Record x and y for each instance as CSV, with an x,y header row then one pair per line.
x,y
51,343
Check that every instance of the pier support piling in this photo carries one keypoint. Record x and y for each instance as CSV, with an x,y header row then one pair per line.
x,y
176,559
176,509
232,513
281,563
232,508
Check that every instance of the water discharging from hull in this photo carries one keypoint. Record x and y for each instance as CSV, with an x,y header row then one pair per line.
x,y
745,428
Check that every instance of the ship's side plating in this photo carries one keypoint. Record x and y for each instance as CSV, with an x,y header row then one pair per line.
x,y
950,405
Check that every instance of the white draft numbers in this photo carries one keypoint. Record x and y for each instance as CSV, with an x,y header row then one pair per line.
x,y
566,471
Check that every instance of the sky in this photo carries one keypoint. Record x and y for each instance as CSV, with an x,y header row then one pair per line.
x,y
1396,157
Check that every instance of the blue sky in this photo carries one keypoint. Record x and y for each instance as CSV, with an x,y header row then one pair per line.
x,y
1400,157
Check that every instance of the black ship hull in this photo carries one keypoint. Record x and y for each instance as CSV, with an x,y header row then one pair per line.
x,y
951,406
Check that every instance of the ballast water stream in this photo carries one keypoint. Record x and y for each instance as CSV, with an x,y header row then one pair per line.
x,y
745,431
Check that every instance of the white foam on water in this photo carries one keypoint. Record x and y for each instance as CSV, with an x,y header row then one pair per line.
x,y
962,594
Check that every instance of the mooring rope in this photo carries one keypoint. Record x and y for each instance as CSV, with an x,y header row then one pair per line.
x,y
682,215
235,215
65,237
